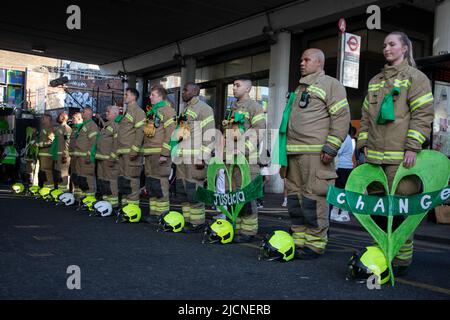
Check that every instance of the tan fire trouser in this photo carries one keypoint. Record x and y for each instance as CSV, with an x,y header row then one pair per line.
x,y
157,184
407,186
62,173
46,171
307,183
129,179
107,181
193,212
247,220
86,176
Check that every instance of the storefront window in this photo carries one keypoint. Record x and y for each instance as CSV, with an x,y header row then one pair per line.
x,y
208,95
259,62
441,131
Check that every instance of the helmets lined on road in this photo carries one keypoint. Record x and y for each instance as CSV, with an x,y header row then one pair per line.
x,y
130,213
34,190
220,231
172,221
370,261
55,193
18,187
45,193
87,202
279,245
67,198
103,208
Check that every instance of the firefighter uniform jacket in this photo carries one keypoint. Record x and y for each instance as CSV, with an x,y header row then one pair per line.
x,y
323,123
254,118
164,122
131,131
414,114
63,132
199,118
107,143
45,140
85,137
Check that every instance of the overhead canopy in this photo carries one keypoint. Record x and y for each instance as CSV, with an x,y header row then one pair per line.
x,y
114,30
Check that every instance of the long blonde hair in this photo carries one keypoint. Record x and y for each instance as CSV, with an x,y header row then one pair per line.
x,y
406,42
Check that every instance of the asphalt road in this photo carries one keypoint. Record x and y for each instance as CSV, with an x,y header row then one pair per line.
x,y
39,241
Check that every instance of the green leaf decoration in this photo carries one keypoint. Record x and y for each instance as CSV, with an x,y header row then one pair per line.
x,y
433,169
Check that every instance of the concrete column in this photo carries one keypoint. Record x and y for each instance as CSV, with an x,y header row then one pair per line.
x,y
140,89
187,75
441,44
278,87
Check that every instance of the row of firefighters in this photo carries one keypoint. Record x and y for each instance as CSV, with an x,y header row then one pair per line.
x,y
396,117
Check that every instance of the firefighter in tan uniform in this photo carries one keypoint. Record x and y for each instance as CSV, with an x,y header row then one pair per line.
x,y
160,123
398,133
192,153
44,142
62,163
86,136
129,143
77,121
317,126
242,125
107,164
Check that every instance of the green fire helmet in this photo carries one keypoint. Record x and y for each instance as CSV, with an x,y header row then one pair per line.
x,y
221,230
171,221
18,187
55,193
87,202
369,261
45,193
279,245
34,190
130,213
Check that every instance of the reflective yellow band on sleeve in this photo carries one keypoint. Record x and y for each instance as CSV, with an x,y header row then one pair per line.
x,y
320,92
334,140
416,135
366,104
139,124
93,134
166,146
421,101
110,129
129,117
363,136
258,117
191,113
206,149
338,106
207,121
169,122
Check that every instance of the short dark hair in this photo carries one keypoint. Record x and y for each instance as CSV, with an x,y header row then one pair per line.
x,y
161,91
243,78
134,92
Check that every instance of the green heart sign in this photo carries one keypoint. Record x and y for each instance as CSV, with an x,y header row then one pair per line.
x,y
414,208
234,200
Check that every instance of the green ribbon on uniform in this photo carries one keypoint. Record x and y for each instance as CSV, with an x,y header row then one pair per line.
x,y
80,126
94,148
239,119
282,136
155,108
387,110
54,148
118,118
